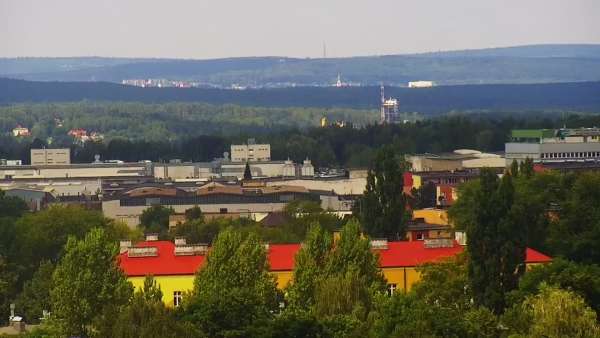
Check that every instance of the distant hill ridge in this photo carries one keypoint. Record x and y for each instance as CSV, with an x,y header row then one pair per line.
x,y
581,96
520,64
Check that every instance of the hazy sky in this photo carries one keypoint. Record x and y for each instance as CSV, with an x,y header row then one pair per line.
x,y
221,28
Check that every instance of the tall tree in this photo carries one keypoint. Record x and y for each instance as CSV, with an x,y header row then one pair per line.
x,y
496,240
147,316
382,207
247,172
309,265
234,291
88,285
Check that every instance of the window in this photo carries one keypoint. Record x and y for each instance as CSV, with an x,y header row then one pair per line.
x,y
177,298
391,288
419,236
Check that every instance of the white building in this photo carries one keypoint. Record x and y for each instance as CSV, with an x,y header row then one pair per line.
x,y
250,152
420,84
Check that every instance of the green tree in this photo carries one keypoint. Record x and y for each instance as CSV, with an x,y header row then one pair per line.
x,y
382,207
156,219
582,279
526,167
41,236
194,214
560,313
496,240
147,316
308,267
247,172
11,206
336,283
576,234
88,285
234,292
35,297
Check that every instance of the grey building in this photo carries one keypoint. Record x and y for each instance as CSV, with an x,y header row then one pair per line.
x,y
548,146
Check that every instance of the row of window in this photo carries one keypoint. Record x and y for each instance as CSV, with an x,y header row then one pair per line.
x,y
583,154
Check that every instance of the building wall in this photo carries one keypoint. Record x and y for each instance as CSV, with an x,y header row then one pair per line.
x,y
424,163
432,215
258,169
342,186
168,285
250,152
50,156
73,171
185,283
484,162
130,215
58,187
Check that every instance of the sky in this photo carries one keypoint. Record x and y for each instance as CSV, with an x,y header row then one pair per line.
x,y
202,29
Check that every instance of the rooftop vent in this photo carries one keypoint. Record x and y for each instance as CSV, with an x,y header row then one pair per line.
x,y
146,251
124,245
180,241
379,244
434,243
151,237
191,249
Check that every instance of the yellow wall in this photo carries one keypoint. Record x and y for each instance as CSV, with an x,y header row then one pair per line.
x,y
168,285
404,278
185,283
432,216
416,181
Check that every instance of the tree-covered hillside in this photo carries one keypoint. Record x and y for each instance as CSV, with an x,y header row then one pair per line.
x,y
436,100
523,64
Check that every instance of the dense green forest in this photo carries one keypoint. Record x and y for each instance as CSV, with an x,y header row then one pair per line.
x,y
575,96
337,289
202,132
522,64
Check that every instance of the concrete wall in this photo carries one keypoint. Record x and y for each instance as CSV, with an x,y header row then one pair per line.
x,y
74,171
130,215
50,156
342,186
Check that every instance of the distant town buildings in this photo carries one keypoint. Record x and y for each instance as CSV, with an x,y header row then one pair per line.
x,y
81,135
250,152
20,131
50,156
159,83
421,84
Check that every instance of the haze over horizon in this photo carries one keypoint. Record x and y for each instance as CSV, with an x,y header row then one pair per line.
x,y
194,30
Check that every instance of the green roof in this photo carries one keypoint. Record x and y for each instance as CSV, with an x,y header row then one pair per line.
x,y
532,133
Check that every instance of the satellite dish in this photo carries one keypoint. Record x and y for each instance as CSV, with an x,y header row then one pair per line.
x,y
226,155
97,158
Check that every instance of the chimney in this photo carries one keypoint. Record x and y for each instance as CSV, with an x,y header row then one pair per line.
x,y
124,245
151,237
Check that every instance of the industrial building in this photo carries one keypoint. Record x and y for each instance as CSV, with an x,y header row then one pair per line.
x,y
552,146
250,152
50,156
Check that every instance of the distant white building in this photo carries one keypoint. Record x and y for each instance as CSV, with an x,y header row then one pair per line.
x,y
421,84
250,152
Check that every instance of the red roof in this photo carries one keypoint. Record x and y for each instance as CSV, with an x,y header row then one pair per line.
x,y
281,258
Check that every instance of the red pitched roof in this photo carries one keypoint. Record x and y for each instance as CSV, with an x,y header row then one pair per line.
x,y
281,258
